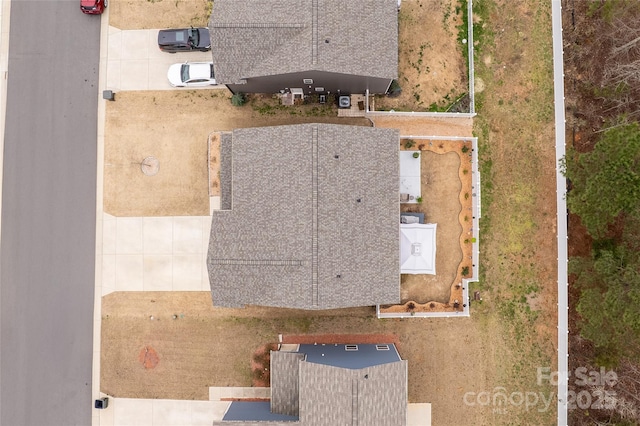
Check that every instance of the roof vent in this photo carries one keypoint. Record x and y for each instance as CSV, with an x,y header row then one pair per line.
x,y
350,347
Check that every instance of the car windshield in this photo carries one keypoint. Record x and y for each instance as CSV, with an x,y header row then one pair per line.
x,y
184,72
194,37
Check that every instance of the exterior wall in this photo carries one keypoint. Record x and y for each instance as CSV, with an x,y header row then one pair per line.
x,y
329,83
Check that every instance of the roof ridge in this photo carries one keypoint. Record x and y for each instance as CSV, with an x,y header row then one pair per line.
x,y
314,32
255,25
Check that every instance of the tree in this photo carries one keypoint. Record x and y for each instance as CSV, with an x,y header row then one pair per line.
x,y
606,181
609,302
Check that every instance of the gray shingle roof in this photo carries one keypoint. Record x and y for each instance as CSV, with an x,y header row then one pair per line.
x,y
308,230
268,37
322,394
369,396
284,382
225,171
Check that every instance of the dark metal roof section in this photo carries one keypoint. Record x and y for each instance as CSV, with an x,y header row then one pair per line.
x,y
256,411
345,356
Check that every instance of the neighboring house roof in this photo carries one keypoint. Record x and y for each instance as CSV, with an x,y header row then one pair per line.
x,y
320,394
313,221
270,37
369,396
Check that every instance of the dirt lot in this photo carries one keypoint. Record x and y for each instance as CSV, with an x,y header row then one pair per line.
x,y
431,68
205,346
149,14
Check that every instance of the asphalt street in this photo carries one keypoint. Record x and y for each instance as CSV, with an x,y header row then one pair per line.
x,y
47,246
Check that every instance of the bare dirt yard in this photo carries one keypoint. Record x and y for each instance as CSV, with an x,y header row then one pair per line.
x,y
205,346
174,127
150,14
431,68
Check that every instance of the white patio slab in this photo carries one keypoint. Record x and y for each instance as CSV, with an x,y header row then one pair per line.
x,y
410,174
134,61
155,253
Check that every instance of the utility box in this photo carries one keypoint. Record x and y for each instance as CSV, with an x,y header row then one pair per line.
x,y
102,403
109,95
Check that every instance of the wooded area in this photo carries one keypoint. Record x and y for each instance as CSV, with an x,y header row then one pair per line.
x,y
602,69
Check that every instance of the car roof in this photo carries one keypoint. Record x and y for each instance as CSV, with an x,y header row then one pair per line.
x,y
173,36
198,70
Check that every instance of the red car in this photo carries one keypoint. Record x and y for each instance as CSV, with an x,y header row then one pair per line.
x,y
93,7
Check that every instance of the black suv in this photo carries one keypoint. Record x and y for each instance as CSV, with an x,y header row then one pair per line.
x,y
184,40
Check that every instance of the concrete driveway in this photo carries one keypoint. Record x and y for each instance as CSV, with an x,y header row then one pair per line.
x,y
134,61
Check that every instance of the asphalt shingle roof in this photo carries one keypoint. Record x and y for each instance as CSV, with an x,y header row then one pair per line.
x,y
369,396
269,37
314,219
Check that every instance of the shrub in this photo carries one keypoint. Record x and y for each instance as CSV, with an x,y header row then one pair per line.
x,y
238,99
419,199
409,143
416,154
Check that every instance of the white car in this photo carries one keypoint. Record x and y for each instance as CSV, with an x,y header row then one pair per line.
x,y
191,74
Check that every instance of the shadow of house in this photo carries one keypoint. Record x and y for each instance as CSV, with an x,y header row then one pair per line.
x,y
330,384
305,47
309,220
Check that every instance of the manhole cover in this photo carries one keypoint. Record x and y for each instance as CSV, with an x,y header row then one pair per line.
x,y
150,166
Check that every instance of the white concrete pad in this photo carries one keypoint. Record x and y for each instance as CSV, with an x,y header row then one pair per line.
x,y
187,235
410,174
187,272
134,44
108,273
157,235
129,235
155,254
134,61
214,204
129,272
134,74
127,411
158,272
419,414
161,412
109,230
113,75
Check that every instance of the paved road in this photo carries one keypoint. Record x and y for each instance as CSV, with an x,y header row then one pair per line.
x,y
47,247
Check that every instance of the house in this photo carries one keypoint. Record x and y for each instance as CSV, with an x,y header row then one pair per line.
x,y
305,47
309,218
330,384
